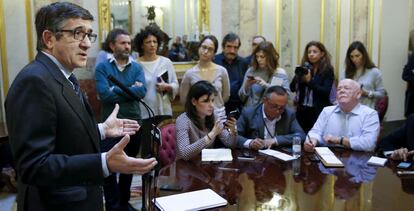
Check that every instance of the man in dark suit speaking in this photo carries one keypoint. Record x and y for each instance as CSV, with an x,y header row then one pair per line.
x,y
53,135
269,124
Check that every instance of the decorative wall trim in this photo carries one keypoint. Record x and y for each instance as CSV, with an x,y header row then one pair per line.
x,y
299,31
204,16
380,34
130,16
186,31
277,25
29,29
351,20
322,35
260,17
3,47
370,26
338,37
104,15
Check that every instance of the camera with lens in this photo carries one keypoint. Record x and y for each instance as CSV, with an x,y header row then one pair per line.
x,y
303,70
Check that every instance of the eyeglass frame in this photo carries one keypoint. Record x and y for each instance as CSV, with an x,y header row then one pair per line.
x,y
91,36
205,47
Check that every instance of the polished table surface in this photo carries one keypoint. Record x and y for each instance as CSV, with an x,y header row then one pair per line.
x,y
268,183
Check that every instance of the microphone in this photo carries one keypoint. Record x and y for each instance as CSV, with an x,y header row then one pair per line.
x,y
150,178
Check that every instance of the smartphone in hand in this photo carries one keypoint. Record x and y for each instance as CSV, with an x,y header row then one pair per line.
x,y
234,114
250,77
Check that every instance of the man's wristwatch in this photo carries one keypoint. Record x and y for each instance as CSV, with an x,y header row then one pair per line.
x,y
341,141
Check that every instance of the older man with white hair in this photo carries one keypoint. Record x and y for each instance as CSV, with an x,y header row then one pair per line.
x,y
349,124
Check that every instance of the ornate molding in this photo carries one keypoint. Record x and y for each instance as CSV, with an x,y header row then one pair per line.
x,y
204,15
3,49
104,15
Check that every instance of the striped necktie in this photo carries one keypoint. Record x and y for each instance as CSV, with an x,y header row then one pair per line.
x,y
76,86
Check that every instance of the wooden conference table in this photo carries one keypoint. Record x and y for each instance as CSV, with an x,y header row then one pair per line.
x,y
271,184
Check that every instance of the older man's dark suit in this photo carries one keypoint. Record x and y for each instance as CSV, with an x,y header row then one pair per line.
x,y
402,137
54,140
250,125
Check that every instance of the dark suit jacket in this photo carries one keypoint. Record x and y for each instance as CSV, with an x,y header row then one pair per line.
x,y
321,85
408,76
402,137
250,125
54,140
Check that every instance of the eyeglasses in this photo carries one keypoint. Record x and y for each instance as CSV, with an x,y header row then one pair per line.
x,y
206,48
80,34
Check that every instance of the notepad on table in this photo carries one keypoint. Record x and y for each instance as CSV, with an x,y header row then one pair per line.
x,y
377,161
216,155
277,154
328,157
195,200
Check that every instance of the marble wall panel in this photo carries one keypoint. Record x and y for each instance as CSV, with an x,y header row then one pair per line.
x,y
248,25
231,22
286,60
360,21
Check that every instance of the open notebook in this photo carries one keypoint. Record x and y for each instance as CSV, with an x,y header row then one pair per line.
x,y
195,200
328,158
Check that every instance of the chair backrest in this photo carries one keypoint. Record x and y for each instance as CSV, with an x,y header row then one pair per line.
x,y
381,106
167,152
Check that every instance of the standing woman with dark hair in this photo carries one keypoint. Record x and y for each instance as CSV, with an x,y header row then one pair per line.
x,y
207,70
197,128
359,67
263,73
313,88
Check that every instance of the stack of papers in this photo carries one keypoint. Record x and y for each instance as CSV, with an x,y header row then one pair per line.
x,y
195,200
277,154
328,157
377,161
216,155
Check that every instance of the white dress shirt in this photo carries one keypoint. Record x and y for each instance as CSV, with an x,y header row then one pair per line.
x,y
362,127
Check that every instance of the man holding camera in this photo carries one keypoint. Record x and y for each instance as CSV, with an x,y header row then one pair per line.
x,y
270,123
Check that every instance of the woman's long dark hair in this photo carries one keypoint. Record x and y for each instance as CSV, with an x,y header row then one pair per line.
x,y
350,68
325,62
196,91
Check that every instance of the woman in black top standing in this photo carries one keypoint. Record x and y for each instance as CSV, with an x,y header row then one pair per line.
x,y
313,86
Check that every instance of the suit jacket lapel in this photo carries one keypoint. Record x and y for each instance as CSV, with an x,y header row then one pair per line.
x,y
72,99
259,120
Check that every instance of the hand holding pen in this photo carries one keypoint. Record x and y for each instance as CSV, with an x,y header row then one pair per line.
x,y
310,144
